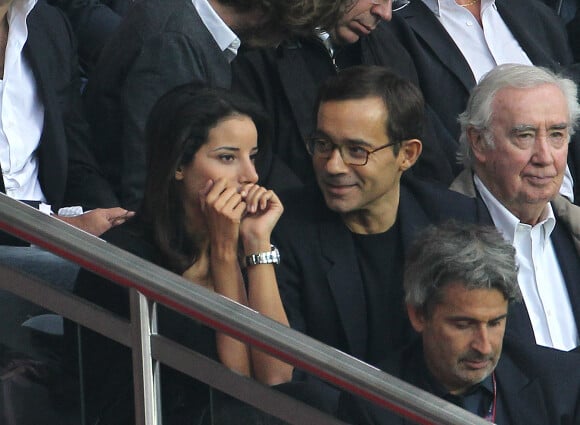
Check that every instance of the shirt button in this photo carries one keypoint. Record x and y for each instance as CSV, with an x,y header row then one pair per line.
x,y
469,24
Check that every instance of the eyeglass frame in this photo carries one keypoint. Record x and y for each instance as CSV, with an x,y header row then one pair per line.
x,y
312,140
403,4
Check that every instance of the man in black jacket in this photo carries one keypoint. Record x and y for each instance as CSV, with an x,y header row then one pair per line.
x,y
343,244
459,282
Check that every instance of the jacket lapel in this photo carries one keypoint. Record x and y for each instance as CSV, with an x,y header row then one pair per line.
x,y
523,33
568,259
291,65
425,24
570,215
522,396
344,279
51,153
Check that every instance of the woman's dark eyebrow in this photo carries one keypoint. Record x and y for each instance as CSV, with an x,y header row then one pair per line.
x,y
232,149
226,148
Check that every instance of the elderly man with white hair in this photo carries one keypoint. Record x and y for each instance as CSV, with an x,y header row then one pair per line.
x,y
514,145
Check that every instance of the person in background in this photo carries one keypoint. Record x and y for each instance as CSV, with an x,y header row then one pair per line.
x,y
459,283
43,154
454,43
202,211
164,43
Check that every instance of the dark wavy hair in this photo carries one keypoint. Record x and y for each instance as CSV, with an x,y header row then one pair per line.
x,y
286,19
177,127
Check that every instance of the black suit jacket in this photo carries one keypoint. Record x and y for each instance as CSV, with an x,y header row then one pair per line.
x,y
573,28
68,173
159,45
285,81
444,75
319,277
537,386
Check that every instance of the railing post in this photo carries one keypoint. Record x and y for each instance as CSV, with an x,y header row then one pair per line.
x,y
143,322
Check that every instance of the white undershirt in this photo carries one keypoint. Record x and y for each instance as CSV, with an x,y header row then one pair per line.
x,y
21,112
539,276
226,39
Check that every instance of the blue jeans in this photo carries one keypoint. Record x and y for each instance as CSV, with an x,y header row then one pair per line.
x,y
41,264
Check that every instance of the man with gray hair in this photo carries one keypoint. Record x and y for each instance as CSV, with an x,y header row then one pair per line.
x,y
459,282
514,144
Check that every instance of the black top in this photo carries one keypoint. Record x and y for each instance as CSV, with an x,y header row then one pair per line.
x,y
380,258
107,365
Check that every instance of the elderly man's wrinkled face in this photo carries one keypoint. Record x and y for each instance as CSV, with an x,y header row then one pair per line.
x,y
462,335
360,19
530,132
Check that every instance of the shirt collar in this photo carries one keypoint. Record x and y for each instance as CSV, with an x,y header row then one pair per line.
x,y
225,38
19,11
505,221
435,5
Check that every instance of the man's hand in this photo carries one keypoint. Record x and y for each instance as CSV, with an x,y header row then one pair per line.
x,y
96,222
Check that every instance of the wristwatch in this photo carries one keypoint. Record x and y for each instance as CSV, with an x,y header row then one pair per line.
x,y
270,257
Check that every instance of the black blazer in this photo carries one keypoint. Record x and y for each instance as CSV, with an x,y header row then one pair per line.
x,y
159,45
444,74
93,22
537,386
68,173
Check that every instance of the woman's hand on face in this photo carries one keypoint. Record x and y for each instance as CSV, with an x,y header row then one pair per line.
x,y
263,209
223,208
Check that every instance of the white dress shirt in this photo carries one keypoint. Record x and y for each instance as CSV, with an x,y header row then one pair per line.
x,y
485,46
539,276
226,39
21,112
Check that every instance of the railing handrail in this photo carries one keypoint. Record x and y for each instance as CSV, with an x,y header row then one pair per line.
x,y
228,316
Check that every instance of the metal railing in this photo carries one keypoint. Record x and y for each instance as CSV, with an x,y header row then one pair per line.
x,y
149,283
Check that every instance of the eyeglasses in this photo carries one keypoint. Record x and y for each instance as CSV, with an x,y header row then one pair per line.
x,y
395,4
350,154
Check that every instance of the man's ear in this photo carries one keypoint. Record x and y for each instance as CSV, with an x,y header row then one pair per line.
x,y
179,173
409,153
477,142
416,317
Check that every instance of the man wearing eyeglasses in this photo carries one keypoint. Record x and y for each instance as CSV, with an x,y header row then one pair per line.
x,y
342,253
285,81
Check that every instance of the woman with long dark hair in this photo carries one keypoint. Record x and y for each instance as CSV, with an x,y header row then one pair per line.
x,y
202,212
